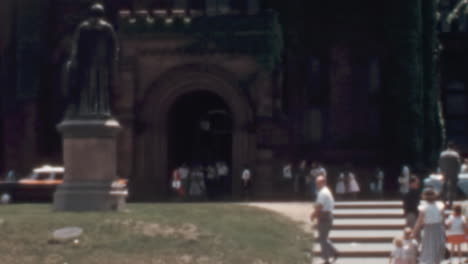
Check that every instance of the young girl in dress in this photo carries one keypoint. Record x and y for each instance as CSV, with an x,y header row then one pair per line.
x,y
456,226
398,254
410,247
340,188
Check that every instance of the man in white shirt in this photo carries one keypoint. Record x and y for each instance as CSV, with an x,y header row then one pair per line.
x,y
323,213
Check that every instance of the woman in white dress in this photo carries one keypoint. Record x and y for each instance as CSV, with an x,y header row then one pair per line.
x,y
353,185
431,220
340,188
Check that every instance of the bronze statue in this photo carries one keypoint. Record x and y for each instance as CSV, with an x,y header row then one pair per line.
x,y
92,68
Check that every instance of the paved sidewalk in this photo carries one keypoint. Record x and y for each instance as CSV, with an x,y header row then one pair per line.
x,y
297,211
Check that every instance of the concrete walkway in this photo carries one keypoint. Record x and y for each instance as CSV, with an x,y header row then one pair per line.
x,y
297,211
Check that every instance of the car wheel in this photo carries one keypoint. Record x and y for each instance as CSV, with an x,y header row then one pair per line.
x,y
5,198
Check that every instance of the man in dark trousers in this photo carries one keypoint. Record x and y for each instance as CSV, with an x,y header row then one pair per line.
x,y
323,213
411,201
449,163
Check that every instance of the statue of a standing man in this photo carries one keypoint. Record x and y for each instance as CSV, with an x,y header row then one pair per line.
x,y
92,68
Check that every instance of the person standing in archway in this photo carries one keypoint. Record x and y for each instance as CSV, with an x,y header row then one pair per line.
x,y
222,171
246,182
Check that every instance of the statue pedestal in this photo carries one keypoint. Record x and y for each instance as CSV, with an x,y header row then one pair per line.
x,y
89,153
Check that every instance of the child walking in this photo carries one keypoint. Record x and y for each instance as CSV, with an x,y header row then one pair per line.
x,y
398,254
410,247
456,226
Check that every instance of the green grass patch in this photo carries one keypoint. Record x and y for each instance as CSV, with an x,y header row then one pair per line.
x,y
153,233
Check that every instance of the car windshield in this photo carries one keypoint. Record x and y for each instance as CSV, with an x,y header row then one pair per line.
x,y
47,176
41,176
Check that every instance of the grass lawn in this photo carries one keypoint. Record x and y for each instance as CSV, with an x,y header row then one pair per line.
x,y
153,233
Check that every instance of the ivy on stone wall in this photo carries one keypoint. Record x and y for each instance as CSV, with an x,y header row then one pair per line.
x,y
257,35
432,124
412,125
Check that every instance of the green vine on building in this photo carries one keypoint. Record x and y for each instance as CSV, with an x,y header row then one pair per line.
x,y
259,35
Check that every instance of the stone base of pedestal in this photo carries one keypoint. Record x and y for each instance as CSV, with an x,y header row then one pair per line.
x,y
85,196
89,154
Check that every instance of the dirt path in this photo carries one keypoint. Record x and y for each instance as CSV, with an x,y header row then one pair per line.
x,y
297,211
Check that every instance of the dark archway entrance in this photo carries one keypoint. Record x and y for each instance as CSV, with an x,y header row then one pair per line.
x,y
200,130
154,160
200,134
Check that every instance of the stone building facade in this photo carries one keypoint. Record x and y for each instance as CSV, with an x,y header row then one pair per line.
x,y
202,81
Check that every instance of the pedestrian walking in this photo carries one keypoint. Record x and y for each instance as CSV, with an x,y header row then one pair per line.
x,y
431,221
323,214
353,185
197,185
411,201
184,173
300,180
176,184
397,256
340,188
404,179
376,185
246,178
222,170
456,226
449,163
288,179
316,171
464,166
410,247
210,181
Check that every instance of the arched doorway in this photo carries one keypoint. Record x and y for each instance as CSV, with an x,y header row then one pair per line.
x,y
200,135
152,154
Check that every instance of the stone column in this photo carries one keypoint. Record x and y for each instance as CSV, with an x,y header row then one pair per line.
x,y
89,153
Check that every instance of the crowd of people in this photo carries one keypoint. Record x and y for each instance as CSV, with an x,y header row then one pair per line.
x,y
428,229
200,182
303,179
428,215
